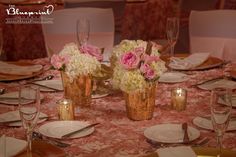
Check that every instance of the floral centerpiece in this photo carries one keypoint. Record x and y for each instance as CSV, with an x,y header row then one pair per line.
x,y
137,67
77,66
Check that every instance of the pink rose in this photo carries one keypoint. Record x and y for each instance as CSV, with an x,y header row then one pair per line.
x,y
144,68
150,74
92,51
149,59
147,71
58,61
130,60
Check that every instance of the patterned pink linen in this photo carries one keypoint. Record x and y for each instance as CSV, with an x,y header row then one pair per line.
x,y
117,135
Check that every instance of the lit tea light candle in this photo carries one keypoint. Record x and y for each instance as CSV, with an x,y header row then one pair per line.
x,y
178,99
65,109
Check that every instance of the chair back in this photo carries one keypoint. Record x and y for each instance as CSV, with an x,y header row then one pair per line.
x,y
63,29
118,7
213,32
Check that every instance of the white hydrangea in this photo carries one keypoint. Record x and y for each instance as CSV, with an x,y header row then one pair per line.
x,y
132,81
79,64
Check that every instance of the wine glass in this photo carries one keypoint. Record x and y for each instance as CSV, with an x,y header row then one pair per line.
x,y
172,32
29,108
221,107
82,30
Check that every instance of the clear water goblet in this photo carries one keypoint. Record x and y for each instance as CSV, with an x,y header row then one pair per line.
x,y
82,30
172,32
29,108
221,106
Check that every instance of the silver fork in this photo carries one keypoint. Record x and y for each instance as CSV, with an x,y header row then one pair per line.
x,y
199,143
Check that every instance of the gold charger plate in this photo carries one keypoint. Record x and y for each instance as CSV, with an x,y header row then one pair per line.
x,y
211,62
43,149
206,152
9,77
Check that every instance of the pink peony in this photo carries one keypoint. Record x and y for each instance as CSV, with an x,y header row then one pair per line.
x,y
58,61
147,71
130,60
92,51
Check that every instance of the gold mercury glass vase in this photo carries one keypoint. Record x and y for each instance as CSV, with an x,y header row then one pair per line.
x,y
79,90
140,105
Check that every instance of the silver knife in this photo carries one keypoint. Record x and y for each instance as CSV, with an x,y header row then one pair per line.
x,y
185,129
77,131
40,85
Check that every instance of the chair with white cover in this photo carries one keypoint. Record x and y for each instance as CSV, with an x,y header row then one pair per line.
x,y
214,32
118,7
63,29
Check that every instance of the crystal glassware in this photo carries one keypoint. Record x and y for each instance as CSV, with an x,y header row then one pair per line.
x,y
221,106
82,30
172,32
29,108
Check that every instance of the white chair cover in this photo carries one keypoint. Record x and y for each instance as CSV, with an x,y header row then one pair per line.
x,y
213,32
63,29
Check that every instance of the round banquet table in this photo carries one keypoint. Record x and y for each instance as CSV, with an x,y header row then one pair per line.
x,y
117,135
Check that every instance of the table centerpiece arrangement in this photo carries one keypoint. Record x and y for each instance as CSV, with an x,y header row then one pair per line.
x,y
136,69
77,66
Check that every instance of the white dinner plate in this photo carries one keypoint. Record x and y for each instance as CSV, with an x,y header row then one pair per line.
x,y
206,124
57,84
14,115
57,129
13,146
173,77
16,101
170,133
221,83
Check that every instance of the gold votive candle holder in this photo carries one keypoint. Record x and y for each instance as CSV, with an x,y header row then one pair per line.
x,y
178,99
65,109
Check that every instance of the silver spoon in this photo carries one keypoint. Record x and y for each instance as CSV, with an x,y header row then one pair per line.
x,y
2,90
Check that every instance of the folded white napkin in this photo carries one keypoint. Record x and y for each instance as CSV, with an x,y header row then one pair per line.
x,y
13,146
222,83
189,62
207,124
181,151
7,68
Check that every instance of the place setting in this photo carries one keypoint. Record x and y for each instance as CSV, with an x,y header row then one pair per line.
x,y
13,71
216,82
195,61
173,77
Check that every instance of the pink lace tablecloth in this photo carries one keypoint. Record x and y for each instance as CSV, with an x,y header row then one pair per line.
x,y
117,135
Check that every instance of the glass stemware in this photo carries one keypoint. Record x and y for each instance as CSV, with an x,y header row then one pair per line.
x,y
221,107
29,108
172,32
82,30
